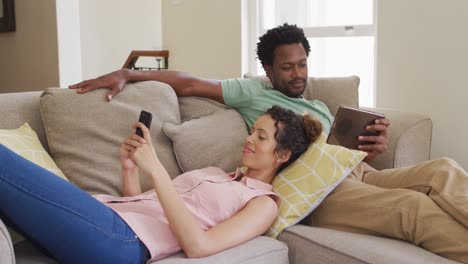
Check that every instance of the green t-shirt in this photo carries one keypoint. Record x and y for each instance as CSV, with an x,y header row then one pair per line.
x,y
253,97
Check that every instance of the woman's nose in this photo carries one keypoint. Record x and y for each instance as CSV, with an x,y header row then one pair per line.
x,y
249,139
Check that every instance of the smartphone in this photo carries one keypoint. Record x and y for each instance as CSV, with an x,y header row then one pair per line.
x,y
145,118
349,124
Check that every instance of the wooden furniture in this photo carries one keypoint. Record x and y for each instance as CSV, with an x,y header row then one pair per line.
x,y
159,55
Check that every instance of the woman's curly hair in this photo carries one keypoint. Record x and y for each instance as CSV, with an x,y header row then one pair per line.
x,y
293,132
285,34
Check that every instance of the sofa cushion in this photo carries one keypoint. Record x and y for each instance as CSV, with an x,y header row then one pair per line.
x,y
197,141
84,132
260,250
24,142
304,184
332,246
194,107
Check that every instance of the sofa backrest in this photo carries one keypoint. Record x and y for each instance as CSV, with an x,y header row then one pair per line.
x,y
18,108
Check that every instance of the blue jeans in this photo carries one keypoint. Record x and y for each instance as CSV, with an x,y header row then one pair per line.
x,y
64,220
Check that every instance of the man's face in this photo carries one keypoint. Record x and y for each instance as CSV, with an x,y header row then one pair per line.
x,y
288,74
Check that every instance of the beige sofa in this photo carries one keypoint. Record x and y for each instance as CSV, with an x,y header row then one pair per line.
x,y
410,137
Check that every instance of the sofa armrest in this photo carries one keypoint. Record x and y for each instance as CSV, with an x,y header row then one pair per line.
x,y
7,254
410,136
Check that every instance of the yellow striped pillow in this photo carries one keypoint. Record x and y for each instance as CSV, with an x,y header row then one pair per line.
x,y
24,142
306,182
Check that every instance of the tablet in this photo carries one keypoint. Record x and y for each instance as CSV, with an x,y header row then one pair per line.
x,y
349,124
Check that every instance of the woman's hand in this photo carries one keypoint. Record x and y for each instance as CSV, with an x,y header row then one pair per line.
x,y
138,151
125,149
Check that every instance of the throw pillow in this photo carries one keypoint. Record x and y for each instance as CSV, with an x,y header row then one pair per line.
x,y
24,142
306,182
212,140
192,107
85,132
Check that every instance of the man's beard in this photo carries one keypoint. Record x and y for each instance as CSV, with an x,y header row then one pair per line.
x,y
294,92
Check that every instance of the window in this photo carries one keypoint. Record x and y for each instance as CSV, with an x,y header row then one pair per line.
x,y
340,33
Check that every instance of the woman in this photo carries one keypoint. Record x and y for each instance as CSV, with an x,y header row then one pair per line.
x,y
201,212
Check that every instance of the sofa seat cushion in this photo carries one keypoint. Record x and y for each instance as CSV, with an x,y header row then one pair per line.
x,y
256,251
84,132
324,245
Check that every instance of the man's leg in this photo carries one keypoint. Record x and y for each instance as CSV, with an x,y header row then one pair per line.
x,y
358,207
64,220
443,180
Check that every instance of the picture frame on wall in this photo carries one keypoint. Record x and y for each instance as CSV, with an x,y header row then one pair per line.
x,y
7,16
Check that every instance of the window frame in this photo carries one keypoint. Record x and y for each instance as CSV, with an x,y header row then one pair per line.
x,y
257,28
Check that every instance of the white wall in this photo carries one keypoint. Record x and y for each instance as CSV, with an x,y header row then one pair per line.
x,y
203,37
28,57
60,42
422,55
111,29
69,41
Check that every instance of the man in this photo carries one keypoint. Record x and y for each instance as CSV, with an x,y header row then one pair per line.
x,y
402,203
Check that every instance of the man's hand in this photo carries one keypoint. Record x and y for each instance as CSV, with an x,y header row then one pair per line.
x,y
114,81
379,144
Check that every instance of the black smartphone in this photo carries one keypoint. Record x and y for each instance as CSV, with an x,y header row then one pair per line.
x,y
145,118
349,124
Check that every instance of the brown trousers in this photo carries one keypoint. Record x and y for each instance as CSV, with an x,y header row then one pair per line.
x,y
425,204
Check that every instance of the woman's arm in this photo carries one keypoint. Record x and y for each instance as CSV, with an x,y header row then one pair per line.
x,y
130,177
253,220
130,182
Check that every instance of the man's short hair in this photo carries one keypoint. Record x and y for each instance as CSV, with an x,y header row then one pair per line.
x,y
284,34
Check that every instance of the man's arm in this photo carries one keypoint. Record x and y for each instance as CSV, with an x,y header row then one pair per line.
x,y
184,84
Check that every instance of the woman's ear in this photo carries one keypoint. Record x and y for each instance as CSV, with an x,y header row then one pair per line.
x,y
283,155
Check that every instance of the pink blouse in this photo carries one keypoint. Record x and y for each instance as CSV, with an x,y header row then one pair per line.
x,y
210,194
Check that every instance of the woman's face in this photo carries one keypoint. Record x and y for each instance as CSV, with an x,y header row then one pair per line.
x,y
259,146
